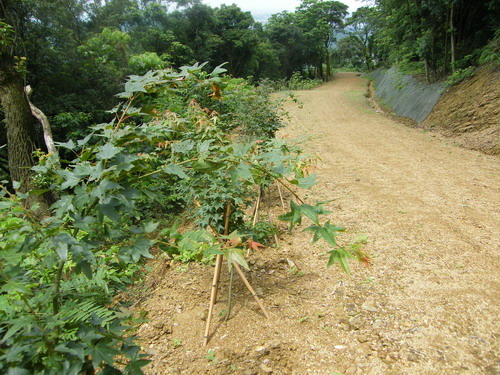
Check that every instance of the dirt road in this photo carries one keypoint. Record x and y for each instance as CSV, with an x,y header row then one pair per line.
x,y
428,304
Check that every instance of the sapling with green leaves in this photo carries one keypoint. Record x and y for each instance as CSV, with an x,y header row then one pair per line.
x,y
175,133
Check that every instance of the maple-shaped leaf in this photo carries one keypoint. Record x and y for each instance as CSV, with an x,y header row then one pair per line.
x,y
254,245
294,216
217,93
235,242
359,252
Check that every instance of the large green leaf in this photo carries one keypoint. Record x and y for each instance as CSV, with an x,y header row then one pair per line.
x,y
236,255
183,146
243,172
340,256
307,182
71,179
135,367
218,70
294,216
108,151
139,248
102,352
327,232
175,170
108,210
206,166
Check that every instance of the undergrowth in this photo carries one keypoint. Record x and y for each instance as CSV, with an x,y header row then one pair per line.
x,y
186,142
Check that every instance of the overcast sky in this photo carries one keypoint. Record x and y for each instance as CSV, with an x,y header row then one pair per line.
x,y
258,7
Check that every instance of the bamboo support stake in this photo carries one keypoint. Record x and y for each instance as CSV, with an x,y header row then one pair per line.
x,y
213,297
216,279
269,218
227,214
249,287
257,206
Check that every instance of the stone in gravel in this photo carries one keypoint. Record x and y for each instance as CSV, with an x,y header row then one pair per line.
x,y
412,357
203,314
369,308
355,323
266,369
250,372
351,370
261,351
158,324
362,338
350,307
172,370
274,344
378,324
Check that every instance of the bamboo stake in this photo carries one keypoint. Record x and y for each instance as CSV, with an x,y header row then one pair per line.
x,y
257,205
227,214
256,213
216,279
213,297
249,287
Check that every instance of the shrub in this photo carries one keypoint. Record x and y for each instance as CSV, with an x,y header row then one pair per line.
x,y
460,75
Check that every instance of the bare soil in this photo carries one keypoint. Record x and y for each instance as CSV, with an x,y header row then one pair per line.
x,y
428,304
469,113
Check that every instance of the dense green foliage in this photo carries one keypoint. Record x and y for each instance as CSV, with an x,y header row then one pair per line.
x,y
186,134
429,37
76,56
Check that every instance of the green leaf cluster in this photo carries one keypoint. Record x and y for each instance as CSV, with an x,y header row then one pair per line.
x,y
174,137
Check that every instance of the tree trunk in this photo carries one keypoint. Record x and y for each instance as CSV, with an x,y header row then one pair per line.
x,y
19,122
427,77
328,65
452,40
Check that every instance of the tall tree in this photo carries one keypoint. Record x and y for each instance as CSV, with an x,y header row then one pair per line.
x,y
362,36
320,20
18,117
288,40
239,40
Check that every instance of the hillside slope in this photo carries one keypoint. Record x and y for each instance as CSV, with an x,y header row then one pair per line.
x,y
469,113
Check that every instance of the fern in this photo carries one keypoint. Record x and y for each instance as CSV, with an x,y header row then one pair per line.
x,y
81,312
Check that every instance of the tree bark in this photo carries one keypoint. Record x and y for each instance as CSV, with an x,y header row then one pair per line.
x,y
19,122
452,40
328,66
427,77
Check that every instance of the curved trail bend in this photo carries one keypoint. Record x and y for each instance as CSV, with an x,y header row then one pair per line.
x,y
428,304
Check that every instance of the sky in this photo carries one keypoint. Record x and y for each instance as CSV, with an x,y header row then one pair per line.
x,y
268,7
